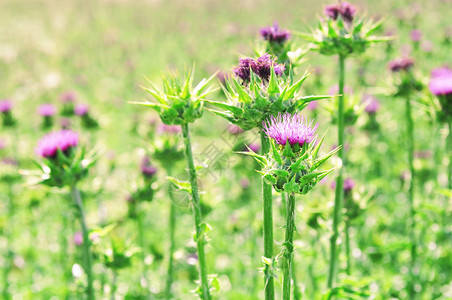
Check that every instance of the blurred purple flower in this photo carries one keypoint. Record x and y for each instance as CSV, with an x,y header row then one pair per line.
x,y
2,144
372,104
401,64
65,123
416,35
46,110
62,140
344,9
254,147
169,129
81,109
5,106
244,183
68,96
78,238
312,105
427,46
147,169
290,128
334,90
441,84
235,129
274,34
441,71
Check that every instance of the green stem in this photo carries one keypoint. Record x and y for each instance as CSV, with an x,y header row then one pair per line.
x,y
347,247
288,243
410,144
200,238
140,227
172,246
113,285
339,196
449,174
86,241
296,288
268,227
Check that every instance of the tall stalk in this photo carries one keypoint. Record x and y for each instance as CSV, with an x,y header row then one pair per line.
x,y
268,227
288,243
86,242
412,224
200,241
347,247
449,150
172,245
339,195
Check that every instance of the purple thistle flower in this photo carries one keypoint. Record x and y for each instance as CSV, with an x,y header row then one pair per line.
x,y
244,183
78,238
6,106
344,9
441,84
262,67
416,35
62,140
46,110
349,184
68,96
253,147
81,110
168,129
243,70
401,64
372,104
440,72
147,169
235,129
274,34
312,105
65,123
292,128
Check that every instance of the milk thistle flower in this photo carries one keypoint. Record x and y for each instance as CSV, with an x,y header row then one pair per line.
x,y
47,111
64,165
274,34
291,166
261,67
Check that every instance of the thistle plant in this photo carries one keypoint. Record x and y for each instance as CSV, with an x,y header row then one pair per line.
x,y
261,90
342,33
179,103
65,165
291,166
47,111
406,85
6,112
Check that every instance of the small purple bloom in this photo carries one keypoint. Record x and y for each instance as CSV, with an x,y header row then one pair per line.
x,y
65,123
168,129
78,238
46,110
312,105
243,70
344,9
235,129
440,72
81,110
416,35
441,85
254,147
5,106
274,34
62,140
401,64
349,184
372,104
292,128
244,183
147,169
68,96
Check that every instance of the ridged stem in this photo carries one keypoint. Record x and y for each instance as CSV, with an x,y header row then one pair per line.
x,y
288,244
412,222
200,241
339,195
86,242
172,244
268,227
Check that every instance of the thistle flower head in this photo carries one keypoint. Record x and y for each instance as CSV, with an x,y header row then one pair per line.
x,y
46,110
440,72
68,97
62,140
401,64
5,106
260,66
441,85
416,35
147,169
372,104
274,34
168,129
81,109
349,184
344,9
294,129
